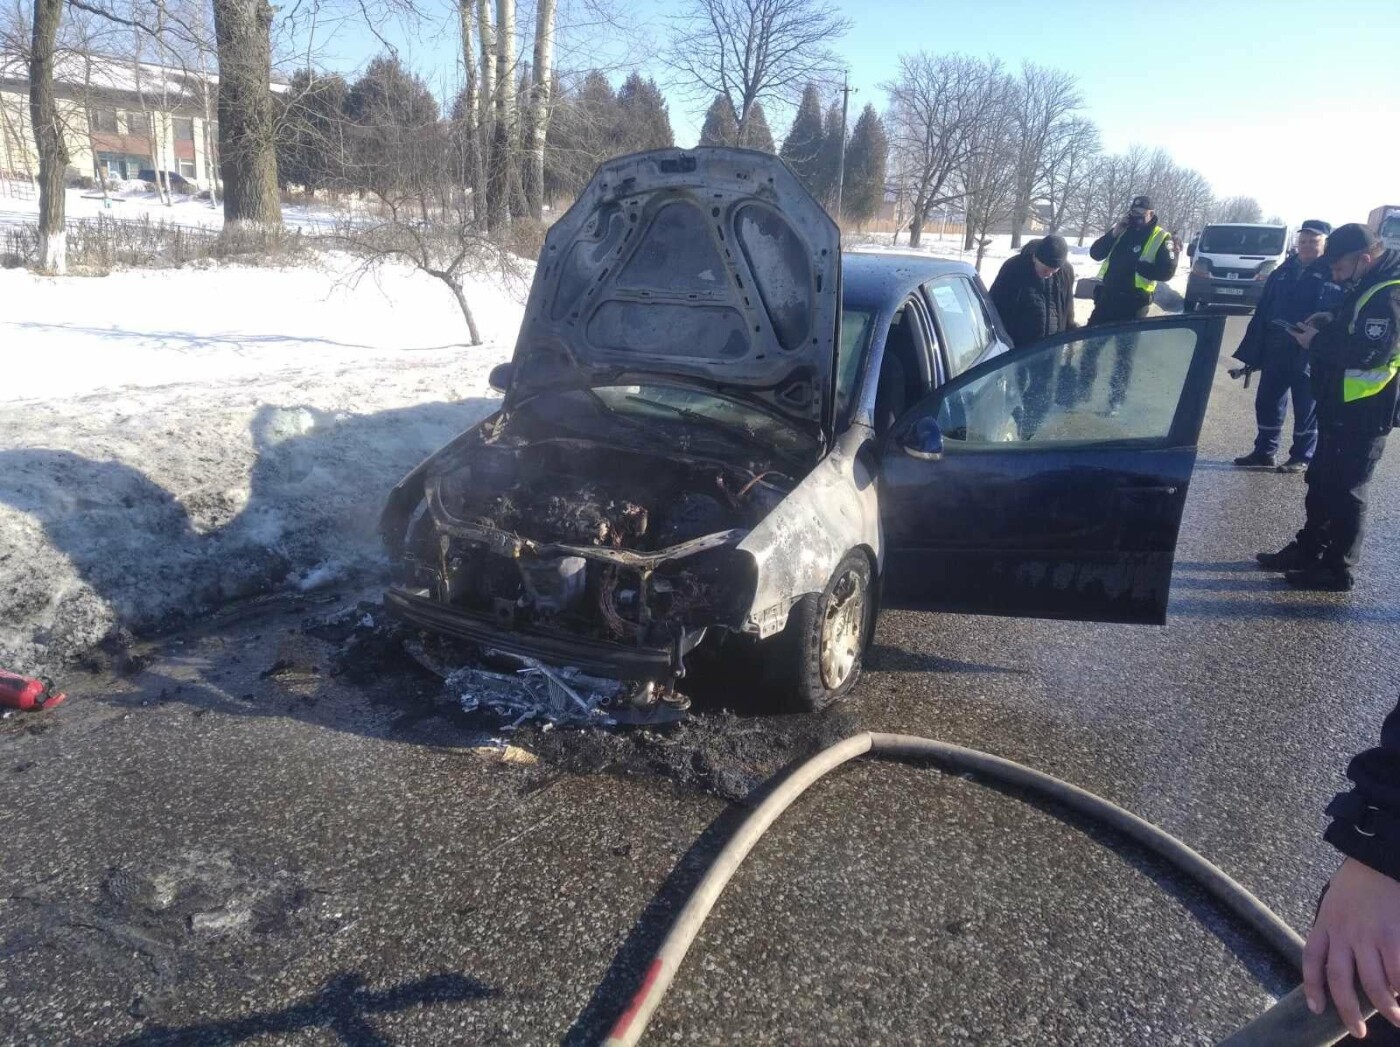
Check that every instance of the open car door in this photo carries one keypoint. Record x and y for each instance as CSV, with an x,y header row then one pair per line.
x,y
1050,482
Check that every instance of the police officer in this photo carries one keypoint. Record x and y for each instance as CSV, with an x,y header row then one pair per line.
x,y
1136,253
1354,353
1297,289
1357,928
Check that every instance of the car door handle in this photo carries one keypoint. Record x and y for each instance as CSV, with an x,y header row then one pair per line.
x,y
1167,489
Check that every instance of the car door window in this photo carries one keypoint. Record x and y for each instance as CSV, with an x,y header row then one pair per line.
x,y
856,326
966,328
1118,384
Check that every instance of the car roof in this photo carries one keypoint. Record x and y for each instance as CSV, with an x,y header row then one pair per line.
x,y
875,279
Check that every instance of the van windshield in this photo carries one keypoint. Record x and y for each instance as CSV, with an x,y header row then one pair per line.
x,y
1390,230
1242,239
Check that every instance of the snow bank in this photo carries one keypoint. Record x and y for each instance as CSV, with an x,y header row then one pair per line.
x,y
172,440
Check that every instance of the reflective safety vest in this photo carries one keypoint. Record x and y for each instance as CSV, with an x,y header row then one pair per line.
x,y
1357,385
1149,254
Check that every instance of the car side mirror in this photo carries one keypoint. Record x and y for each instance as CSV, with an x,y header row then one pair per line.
x,y
924,441
1085,287
500,377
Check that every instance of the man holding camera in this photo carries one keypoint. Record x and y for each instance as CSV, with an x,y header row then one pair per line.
x,y
1354,354
1297,289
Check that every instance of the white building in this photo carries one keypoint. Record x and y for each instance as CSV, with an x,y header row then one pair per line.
x,y
121,118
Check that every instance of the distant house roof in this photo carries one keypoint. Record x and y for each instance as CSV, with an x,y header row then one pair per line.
x,y
112,73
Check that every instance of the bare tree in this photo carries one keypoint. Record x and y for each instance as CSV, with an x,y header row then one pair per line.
x,y
936,105
247,124
441,239
1043,102
1238,209
48,135
754,51
989,172
1069,169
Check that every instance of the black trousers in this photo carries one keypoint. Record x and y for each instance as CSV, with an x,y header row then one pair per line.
x,y
1337,481
1112,308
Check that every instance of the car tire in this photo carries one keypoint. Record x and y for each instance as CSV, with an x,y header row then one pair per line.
x,y
817,658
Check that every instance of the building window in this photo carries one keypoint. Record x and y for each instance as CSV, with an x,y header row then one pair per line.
x,y
184,129
138,124
187,169
103,121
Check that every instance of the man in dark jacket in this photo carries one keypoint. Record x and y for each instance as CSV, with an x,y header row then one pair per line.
x,y
1136,253
1356,933
1354,354
1297,289
1034,292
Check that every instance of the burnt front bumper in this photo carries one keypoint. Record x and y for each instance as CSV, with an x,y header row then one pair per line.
x,y
594,657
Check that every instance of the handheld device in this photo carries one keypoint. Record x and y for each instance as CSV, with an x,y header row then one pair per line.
x,y
1287,325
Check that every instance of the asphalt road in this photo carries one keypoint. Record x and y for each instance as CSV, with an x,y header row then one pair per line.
x,y
204,852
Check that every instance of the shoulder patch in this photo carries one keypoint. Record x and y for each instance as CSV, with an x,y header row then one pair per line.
x,y
1377,328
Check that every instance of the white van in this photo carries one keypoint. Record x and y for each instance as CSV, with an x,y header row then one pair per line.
x,y
1230,262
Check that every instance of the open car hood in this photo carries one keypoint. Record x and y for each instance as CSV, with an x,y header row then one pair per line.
x,y
708,264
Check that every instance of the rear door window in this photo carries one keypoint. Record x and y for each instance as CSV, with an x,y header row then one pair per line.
x,y
962,319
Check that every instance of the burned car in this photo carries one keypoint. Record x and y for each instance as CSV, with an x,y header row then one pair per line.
x,y
695,444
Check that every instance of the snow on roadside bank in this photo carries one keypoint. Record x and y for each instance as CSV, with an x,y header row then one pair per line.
x,y
175,439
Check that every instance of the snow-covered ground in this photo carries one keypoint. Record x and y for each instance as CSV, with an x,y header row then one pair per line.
x,y
174,439
138,204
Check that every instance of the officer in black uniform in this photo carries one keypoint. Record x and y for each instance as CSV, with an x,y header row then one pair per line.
x,y
1297,289
1354,355
1357,928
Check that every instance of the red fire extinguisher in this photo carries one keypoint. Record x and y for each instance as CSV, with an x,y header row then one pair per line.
x,y
26,693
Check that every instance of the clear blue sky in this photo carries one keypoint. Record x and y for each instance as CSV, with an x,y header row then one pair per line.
x,y
1294,102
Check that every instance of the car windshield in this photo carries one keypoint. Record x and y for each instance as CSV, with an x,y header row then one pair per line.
x,y
703,410
1242,239
855,337
1390,228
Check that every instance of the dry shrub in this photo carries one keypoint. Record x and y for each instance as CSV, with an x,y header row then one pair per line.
x,y
99,245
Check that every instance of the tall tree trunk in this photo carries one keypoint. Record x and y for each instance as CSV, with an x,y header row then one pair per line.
x,y
539,109
473,143
486,105
916,223
486,100
247,130
48,135
503,175
1020,214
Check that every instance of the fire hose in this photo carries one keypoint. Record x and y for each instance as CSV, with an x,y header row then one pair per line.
x,y
1288,1023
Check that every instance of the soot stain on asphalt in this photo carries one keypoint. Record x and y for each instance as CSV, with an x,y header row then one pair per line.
x,y
719,753
714,750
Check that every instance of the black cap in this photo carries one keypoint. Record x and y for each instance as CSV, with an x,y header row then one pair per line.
x,y
1316,225
1348,239
1145,202
1052,251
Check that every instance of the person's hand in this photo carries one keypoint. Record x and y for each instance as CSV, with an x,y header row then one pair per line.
x,y
1319,320
1303,334
1120,227
1356,936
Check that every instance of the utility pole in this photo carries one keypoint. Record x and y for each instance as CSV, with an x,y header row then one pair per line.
x,y
841,156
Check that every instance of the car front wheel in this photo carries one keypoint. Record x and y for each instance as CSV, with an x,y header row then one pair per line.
x,y
818,657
